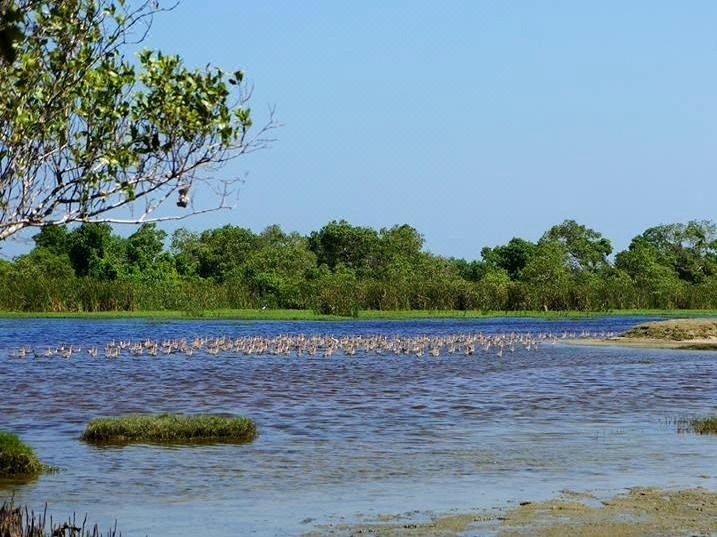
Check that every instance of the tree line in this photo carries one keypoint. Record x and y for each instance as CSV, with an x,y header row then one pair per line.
x,y
342,269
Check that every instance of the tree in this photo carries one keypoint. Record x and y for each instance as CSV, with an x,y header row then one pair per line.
x,y
493,289
340,243
474,270
548,275
511,257
215,253
44,263
400,241
145,255
587,249
96,252
54,238
86,132
276,270
688,249
10,31
656,281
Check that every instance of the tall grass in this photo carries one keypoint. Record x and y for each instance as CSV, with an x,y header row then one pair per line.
x,y
310,315
19,522
44,294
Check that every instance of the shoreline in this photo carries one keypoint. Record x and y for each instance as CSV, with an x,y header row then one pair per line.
x,y
365,315
642,343
635,512
680,334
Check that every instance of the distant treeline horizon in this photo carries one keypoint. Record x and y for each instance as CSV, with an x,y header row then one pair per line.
x,y
342,269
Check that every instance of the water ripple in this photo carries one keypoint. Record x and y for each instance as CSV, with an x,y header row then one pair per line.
x,y
350,434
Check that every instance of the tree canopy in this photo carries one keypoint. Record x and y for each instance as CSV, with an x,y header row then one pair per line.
x,y
343,268
586,248
86,130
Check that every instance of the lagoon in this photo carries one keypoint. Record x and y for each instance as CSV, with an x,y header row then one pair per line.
x,y
351,437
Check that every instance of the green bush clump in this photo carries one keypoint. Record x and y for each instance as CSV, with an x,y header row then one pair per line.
x,y
169,428
17,459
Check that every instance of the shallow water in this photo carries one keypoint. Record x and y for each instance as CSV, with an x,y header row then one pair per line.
x,y
352,437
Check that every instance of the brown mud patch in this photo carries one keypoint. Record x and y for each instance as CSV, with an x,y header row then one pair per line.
x,y
640,512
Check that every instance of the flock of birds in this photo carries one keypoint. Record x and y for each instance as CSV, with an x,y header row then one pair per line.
x,y
312,345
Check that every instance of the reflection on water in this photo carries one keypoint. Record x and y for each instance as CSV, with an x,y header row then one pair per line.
x,y
353,435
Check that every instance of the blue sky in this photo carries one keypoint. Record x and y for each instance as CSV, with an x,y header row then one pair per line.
x,y
473,121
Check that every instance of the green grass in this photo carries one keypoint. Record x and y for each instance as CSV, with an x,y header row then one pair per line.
x,y
706,425
238,314
309,315
17,459
169,429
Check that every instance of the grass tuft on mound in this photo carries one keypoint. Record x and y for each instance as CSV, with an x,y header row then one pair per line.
x,y
704,425
17,459
169,429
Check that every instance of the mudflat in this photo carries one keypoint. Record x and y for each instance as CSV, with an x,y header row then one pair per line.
x,y
640,512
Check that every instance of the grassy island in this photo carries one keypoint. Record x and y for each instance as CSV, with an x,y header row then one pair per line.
x,y
675,330
169,429
17,459
687,334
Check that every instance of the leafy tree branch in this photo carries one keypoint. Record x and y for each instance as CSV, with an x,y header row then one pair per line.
x,y
85,131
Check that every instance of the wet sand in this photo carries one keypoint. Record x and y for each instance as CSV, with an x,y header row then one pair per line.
x,y
701,344
640,512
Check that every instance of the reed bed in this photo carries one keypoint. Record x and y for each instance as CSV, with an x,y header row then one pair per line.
x,y
170,429
311,345
17,459
19,522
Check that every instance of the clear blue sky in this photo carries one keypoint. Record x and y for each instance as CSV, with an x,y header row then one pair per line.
x,y
473,121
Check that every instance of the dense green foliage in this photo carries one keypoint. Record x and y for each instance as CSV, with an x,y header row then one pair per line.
x,y
17,459
169,428
342,269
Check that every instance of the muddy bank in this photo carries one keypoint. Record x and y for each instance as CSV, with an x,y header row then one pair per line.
x,y
640,512
687,334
